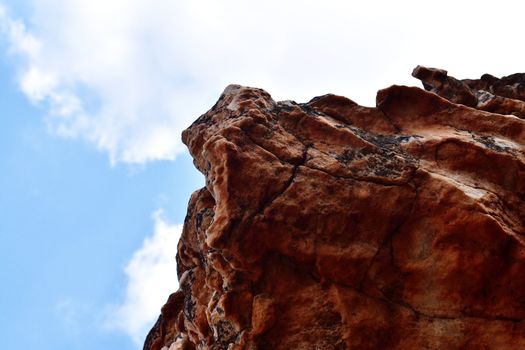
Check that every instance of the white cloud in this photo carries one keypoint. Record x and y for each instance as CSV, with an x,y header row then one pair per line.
x,y
152,277
129,75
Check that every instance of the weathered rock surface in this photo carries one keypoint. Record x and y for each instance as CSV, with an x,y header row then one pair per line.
x,y
503,96
328,225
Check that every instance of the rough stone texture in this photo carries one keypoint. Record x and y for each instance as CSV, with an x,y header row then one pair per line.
x,y
328,225
503,96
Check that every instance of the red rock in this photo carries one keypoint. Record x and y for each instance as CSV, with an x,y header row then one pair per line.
x,y
503,96
328,225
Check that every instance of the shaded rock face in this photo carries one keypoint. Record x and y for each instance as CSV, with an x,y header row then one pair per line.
x,y
328,225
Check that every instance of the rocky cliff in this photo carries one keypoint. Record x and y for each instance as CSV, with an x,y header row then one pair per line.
x,y
328,225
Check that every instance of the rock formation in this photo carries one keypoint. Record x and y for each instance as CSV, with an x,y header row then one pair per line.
x,y
328,225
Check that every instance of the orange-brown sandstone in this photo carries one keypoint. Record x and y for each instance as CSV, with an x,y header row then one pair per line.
x,y
328,225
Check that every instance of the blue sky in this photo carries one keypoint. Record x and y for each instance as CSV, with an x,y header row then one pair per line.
x,y
94,180
69,224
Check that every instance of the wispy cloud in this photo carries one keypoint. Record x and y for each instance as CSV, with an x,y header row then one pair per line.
x,y
152,276
129,75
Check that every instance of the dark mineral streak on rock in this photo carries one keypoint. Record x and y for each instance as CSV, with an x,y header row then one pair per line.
x,y
328,225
